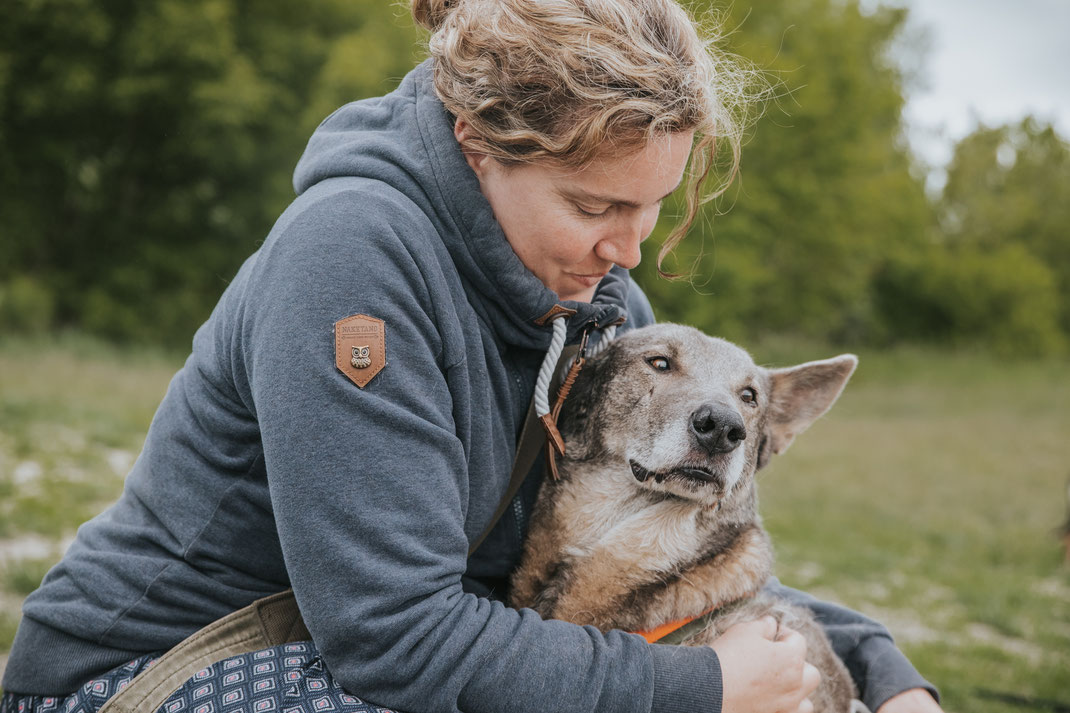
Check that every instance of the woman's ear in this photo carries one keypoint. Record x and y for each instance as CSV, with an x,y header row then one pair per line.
x,y
476,160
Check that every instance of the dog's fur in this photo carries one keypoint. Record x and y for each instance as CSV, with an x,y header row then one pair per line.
x,y
654,517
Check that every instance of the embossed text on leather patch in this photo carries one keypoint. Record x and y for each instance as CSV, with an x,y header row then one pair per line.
x,y
360,347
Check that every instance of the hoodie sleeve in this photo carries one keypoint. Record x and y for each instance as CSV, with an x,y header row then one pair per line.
x,y
369,488
878,668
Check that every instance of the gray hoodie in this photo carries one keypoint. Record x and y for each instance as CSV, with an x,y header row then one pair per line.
x,y
267,467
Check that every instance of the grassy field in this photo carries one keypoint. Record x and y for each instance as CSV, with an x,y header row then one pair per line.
x,y
73,416
928,498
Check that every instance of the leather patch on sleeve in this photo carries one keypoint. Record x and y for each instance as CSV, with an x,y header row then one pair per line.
x,y
552,314
360,347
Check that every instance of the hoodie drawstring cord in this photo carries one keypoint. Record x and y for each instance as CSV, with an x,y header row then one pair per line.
x,y
555,443
546,371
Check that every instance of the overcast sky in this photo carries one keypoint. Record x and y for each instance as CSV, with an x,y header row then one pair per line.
x,y
993,60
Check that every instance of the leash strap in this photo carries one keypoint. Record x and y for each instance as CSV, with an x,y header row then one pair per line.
x,y
276,619
532,438
555,444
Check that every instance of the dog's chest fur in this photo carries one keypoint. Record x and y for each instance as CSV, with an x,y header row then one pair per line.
x,y
623,558
602,516
620,558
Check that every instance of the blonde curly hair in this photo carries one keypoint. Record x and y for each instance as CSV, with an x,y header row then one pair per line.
x,y
560,80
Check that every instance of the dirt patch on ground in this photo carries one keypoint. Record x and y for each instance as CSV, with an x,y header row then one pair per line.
x,y
32,547
29,547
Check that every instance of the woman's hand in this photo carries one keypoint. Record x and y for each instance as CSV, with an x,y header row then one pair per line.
x,y
764,669
915,700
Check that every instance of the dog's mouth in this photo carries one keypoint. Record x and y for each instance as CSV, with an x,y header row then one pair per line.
x,y
691,473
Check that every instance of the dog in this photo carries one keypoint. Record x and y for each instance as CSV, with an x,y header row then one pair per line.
x,y
654,518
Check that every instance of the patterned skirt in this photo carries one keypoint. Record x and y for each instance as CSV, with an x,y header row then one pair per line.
x,y
289,678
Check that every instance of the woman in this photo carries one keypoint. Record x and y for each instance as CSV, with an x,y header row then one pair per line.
x,y
347,419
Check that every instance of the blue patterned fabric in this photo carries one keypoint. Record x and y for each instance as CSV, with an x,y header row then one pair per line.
x,y
290,678
87,699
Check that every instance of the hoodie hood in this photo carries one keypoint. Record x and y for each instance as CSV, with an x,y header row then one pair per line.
x,y
405,139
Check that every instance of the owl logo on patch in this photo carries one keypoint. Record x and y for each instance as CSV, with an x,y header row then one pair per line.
x,y
360,359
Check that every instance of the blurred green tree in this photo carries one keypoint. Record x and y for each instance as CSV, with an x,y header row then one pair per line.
x,y
827,187
997,272
1002,299
1010,185
146,147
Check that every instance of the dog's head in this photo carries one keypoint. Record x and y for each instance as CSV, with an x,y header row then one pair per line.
x,y
691,415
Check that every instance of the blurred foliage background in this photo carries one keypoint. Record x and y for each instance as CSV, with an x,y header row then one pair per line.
x,y
146,148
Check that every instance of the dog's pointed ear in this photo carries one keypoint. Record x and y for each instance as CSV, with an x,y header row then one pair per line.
x,y
799,395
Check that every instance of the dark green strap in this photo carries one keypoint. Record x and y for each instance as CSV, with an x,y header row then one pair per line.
x,y
532,440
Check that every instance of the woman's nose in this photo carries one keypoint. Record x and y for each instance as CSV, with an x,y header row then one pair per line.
x,y
620,249
621,246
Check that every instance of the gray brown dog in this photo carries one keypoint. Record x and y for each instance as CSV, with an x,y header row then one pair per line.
x,y
654,518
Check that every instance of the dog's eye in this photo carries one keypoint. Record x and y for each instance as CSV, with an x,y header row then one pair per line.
x,y
658,362
749,396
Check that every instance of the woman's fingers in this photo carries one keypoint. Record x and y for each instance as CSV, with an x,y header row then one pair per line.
x,y
764,669
811,678
768,627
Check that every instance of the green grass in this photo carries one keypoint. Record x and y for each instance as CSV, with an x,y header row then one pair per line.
x,y
73,416
927,498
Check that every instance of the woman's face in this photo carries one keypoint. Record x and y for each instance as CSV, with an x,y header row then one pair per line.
x,y
570,226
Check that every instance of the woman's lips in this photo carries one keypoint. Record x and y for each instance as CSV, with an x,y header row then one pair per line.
x,y
588,280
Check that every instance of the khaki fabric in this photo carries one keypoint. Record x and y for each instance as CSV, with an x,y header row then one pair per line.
x,y
266,622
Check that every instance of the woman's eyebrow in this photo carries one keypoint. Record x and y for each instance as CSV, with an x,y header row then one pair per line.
x,y
584,195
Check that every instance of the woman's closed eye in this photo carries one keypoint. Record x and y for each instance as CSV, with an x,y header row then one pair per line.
x,y
590,212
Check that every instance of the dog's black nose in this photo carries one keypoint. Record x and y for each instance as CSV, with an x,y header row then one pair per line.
x,y
718,429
